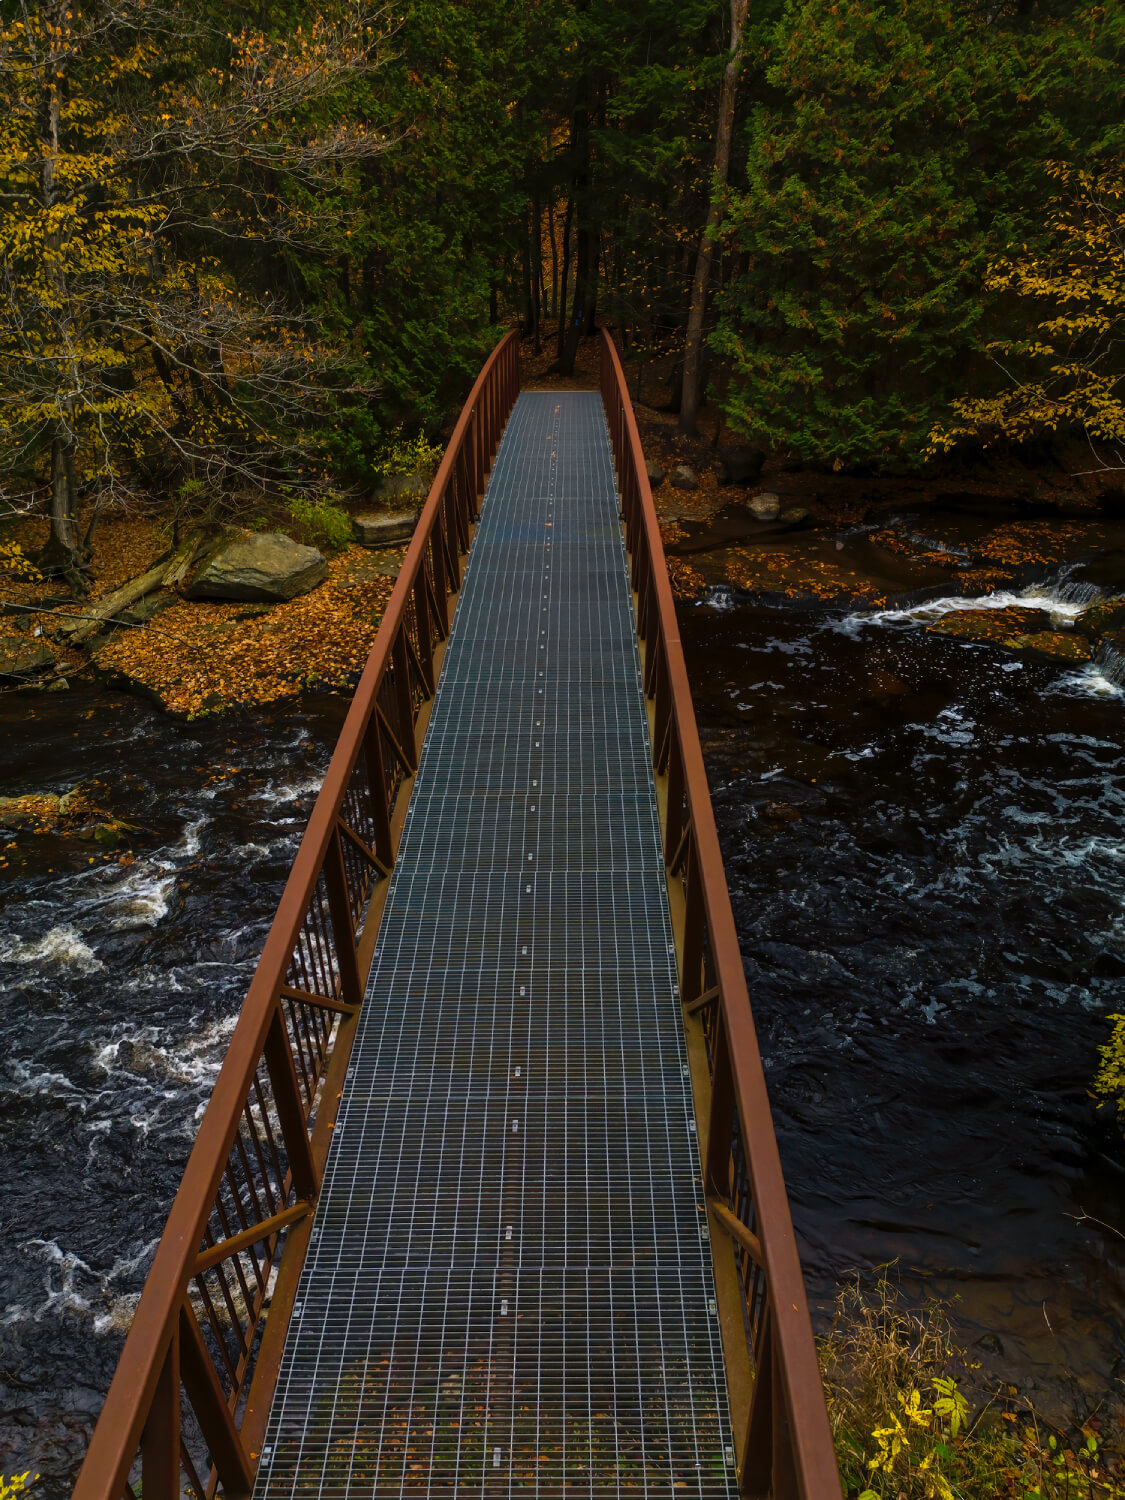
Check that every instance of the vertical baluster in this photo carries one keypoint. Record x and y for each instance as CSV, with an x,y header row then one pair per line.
x,y
343,928
691,980
464,488
160,1440
757,1453
376,776
400,659
290,1113
717,1168
674,822
655,653
449,518
662,712
422,616
784,1476
441,586
209,1404
470,449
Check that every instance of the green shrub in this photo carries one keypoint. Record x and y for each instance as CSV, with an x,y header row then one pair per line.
x,y
324,521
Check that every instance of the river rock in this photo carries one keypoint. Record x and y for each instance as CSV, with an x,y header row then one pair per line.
x,y
269,566
766,506
385,529
741,465
991,626
794,515
1105,615
34,808
684,478
654,471
1063,646
21,656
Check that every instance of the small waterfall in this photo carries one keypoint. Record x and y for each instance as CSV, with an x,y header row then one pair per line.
x,y
1110,662
1073,596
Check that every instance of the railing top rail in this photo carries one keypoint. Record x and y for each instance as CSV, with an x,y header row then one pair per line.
x,y
800,1373
114,1445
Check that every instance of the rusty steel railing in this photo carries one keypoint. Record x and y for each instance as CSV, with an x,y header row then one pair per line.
x,y
189,1399
777,1397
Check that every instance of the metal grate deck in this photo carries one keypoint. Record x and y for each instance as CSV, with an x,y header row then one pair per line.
x,y
509,1285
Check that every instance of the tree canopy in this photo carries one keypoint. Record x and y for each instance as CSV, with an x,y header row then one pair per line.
x,y
245,252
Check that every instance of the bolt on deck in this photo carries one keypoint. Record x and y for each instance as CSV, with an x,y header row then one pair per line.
x,y
509,1283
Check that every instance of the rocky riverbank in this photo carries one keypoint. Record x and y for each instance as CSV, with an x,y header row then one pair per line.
x,y
229,630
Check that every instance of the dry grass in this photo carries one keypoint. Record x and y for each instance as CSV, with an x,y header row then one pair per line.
x,y
905,1428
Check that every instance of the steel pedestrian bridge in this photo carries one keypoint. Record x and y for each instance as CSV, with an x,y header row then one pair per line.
x,y
487,1198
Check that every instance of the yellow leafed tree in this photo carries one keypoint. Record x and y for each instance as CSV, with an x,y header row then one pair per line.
x,y
1070,373
128,354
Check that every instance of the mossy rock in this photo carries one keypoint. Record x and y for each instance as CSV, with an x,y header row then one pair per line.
x,y
1059,646
991,627
20,656
1105,615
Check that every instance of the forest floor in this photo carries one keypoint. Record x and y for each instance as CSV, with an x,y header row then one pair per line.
x,y
966,530
199,656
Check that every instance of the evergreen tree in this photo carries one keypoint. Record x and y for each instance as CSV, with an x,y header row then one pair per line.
x,y
897,149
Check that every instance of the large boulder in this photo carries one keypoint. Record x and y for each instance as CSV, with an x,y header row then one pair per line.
x,y
684,478
741,465
21,656
1097,619
269,566
405,487
1052,646
654,471
766,506
992,627
386,529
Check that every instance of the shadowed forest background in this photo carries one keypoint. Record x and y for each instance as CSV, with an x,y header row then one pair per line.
x,y
244,254
251,260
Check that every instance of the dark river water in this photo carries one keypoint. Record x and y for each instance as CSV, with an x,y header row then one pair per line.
x,y
924,845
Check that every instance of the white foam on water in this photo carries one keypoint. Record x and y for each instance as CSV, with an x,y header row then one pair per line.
x,y
60,947
64,1266
1090,681
718,596
951,727
250,853
141,900
25,1081
286,791
72,1286
1062,600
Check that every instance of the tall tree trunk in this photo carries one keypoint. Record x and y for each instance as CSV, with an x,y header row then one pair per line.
x,y
554,308
537,272
62,554
564,279
693,340
527,314
584,308
582,278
